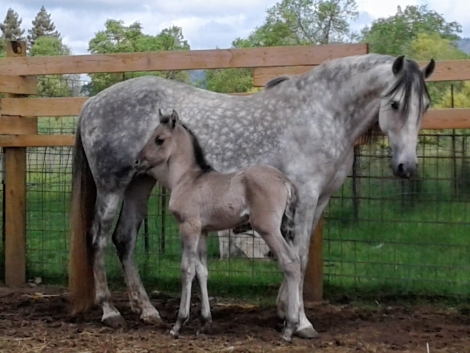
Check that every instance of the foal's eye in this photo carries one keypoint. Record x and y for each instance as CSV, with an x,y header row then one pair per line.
x,y
394,105
159,141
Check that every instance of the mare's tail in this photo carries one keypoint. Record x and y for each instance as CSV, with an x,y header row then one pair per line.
x,y
288,222
81,278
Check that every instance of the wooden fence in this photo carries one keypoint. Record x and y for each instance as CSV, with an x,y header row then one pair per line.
x,y
19,129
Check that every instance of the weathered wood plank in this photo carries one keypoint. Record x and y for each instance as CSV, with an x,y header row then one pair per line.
x,y
43,106
446,70
37,140
179,60
14,213
18,84
17,125
313,284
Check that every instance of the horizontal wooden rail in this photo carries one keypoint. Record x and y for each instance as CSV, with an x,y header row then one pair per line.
x,y
49,107
446,70
435,119
179,60
43,106
18,125
37,140
18,84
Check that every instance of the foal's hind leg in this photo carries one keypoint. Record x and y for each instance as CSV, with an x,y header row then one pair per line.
x,y
106,206
202,274
133,211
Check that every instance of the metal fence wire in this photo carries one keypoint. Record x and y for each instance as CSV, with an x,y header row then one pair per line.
x,y
381,233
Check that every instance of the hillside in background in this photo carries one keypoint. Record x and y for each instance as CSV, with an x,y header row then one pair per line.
x,y
464,45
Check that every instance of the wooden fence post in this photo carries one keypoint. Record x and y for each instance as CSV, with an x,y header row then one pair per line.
x,y
313,283
14,215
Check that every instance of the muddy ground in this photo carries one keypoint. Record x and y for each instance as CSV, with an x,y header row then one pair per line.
x,y
37,320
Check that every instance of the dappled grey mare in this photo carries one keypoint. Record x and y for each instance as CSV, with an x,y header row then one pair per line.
x,y
304,125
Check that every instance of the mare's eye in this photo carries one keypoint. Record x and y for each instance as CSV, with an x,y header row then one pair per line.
x,y
159,141
394,105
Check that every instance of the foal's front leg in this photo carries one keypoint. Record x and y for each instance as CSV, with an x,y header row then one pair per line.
x,y
190,233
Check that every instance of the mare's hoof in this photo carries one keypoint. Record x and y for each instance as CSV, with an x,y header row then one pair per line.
x,y
308,332
115,321
205,328
153,319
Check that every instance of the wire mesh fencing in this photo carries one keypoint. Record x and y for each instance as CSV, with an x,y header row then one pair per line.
x,y
403,236
382,234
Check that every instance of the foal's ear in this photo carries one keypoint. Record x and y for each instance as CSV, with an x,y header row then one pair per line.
x,y
162,117
398,64
174,118
429,69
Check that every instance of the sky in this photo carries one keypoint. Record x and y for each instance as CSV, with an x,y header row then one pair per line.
x,y
206,24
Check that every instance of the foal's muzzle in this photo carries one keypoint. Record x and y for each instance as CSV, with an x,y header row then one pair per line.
x,y
140,166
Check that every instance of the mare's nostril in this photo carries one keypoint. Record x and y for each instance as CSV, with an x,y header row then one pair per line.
x,y
401,168
136,162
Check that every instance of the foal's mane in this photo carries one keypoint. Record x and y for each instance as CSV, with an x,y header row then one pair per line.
x,y
199,155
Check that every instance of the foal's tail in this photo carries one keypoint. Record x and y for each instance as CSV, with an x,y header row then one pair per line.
x,y
81,279
288,223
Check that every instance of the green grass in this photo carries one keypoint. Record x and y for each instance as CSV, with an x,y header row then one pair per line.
x,y
404,239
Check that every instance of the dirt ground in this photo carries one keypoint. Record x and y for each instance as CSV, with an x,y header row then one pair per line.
x,y
37,320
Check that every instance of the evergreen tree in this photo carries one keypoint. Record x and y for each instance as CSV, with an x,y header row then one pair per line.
x,y
42,27
12,26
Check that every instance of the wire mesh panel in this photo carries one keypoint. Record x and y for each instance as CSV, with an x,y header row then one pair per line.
x,y
403,236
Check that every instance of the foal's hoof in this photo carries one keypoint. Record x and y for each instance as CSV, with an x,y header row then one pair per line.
x,y
174,333
115,321
308,332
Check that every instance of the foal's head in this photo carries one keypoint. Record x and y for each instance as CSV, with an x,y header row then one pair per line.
x,y
171,141
401,112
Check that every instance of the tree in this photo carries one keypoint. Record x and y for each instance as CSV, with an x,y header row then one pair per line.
x,y
118,38
289,22
42,27
391,35
53,85
12,26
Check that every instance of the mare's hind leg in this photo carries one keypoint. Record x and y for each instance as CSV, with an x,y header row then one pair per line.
x,y
202,273
133,211
106,206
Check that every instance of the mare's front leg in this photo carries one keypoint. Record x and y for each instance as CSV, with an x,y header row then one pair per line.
x,y
289,261
190,232
202,273
308,208
133,211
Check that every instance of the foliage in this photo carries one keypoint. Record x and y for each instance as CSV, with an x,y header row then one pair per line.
x,y
12,26
433,45
392,34
42,27
289,22
118,38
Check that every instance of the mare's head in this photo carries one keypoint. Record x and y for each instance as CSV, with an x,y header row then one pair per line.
x,y
170,141
401,112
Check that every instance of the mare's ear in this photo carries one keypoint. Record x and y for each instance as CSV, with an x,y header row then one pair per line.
x,y
429,69
174,118
398,65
